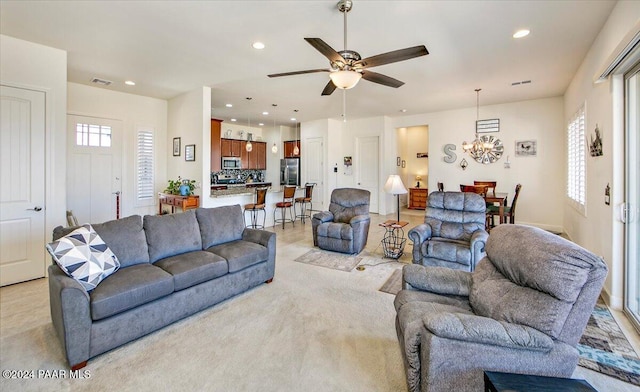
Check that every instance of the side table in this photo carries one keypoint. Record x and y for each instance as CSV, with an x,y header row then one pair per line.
x,y
393,241
503,382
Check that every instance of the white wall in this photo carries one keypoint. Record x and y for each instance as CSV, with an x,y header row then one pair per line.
x,y
542,177
600,230
134,111
189,117
28,65
240,131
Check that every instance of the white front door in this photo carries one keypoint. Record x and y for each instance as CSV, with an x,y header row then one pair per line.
x,y
22,196
93,167
367,168
315,171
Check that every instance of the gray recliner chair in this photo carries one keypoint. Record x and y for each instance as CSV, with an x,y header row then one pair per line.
x,y
523,310
345,227
453,233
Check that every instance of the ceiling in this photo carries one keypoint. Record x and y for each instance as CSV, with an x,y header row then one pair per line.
x,y
172,47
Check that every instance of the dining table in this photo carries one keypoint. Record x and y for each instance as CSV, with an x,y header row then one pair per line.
x,y
500,198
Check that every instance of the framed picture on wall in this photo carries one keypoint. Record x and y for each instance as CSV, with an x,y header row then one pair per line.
x,y
398,161
190,152
176,146
404,163
526,148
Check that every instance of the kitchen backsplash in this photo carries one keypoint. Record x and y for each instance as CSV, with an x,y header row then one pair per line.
x,y
244,175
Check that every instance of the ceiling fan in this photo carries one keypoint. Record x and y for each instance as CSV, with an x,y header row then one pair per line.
x,y
347,67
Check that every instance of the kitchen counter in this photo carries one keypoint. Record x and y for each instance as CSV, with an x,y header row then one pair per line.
x,y
221,190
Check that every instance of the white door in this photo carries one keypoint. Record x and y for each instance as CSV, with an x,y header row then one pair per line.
x,y
93,167
22,255
315,170
367,167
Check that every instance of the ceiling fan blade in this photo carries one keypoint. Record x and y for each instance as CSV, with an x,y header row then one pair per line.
x,y
326,50
329,88
392,57
298,72
381,79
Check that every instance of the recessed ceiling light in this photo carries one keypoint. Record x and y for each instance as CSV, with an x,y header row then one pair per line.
x,y
265,113
258,45
233,120
293,119
261,124
229,105
403,110
521,33
130,83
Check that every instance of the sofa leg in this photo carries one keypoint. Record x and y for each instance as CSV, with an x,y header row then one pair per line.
x,y
79,366
268,281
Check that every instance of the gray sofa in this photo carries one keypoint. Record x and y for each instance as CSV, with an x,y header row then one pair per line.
x,y
523,310
172,266
345,227
453,233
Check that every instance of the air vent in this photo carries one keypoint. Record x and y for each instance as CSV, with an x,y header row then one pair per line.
x,y
103,82
521,82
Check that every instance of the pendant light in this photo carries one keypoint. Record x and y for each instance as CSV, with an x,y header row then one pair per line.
x,y
484,149
296,149
274,148
248,146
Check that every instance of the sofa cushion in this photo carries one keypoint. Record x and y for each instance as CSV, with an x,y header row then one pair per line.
x,y
170,235
341,231
219,225
447,249
126,239
455,215
84,256
241,254
192,268
128,288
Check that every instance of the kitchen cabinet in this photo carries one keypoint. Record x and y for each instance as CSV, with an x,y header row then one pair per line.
x,y
231,147
288,148
216,126
257,158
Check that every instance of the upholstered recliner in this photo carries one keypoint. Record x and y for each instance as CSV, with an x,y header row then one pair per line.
x,y
453,233
523,310
345,227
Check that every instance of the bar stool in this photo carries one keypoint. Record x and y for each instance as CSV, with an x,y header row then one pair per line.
x,y
288,194
303,201
255,208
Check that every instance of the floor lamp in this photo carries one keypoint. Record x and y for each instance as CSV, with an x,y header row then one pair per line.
x,y
395,186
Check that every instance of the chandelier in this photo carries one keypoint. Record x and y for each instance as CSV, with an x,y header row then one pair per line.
x,y
484,149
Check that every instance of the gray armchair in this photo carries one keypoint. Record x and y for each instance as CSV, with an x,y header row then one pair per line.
x,y
453,233
345,227
523,310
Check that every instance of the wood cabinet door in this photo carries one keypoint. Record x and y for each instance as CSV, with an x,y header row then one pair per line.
x,y
236,148
245,161
216,154
260,152
225,148
288,148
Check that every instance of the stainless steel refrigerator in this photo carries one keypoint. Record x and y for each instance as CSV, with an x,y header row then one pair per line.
x,y
290,171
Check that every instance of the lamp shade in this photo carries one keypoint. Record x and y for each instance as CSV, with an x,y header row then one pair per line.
x,y
418,178
394,185
345,79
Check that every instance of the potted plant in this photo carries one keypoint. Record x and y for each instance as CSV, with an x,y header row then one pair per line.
x,y
181,187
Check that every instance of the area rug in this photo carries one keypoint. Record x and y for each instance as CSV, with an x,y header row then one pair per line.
x,y
393,284
603,348
331,260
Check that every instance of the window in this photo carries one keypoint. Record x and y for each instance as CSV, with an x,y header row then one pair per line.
x,y
93,135
576,155
144,166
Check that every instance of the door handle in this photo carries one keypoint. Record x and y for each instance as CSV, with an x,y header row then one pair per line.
x,y
36,209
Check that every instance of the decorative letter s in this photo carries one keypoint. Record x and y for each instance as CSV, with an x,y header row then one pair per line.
x,y
450,155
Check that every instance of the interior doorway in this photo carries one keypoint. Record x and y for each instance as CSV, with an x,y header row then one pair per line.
x,y
94,151
413,151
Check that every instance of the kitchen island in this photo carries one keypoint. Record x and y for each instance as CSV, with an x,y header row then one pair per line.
x,y
231,194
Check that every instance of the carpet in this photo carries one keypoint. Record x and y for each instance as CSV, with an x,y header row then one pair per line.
x,y
603,348
333,260
393,284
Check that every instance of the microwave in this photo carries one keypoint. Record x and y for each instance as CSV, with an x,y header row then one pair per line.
x,y
231,163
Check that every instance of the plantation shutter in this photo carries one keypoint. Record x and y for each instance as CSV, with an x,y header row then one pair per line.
x,y
145,175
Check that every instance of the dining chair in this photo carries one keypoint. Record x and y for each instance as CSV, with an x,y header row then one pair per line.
x,y
256,207
509,212
479,189
491,185
304,200
288,194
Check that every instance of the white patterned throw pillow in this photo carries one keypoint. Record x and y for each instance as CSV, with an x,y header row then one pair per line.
x,y
84,256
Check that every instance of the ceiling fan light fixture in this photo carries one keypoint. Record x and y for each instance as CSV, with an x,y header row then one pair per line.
x,y
345,80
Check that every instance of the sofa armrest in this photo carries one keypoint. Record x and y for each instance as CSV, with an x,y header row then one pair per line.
x,y
439,280
70,314
484,330
261,237
420,234
359,218
477,245
323,216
